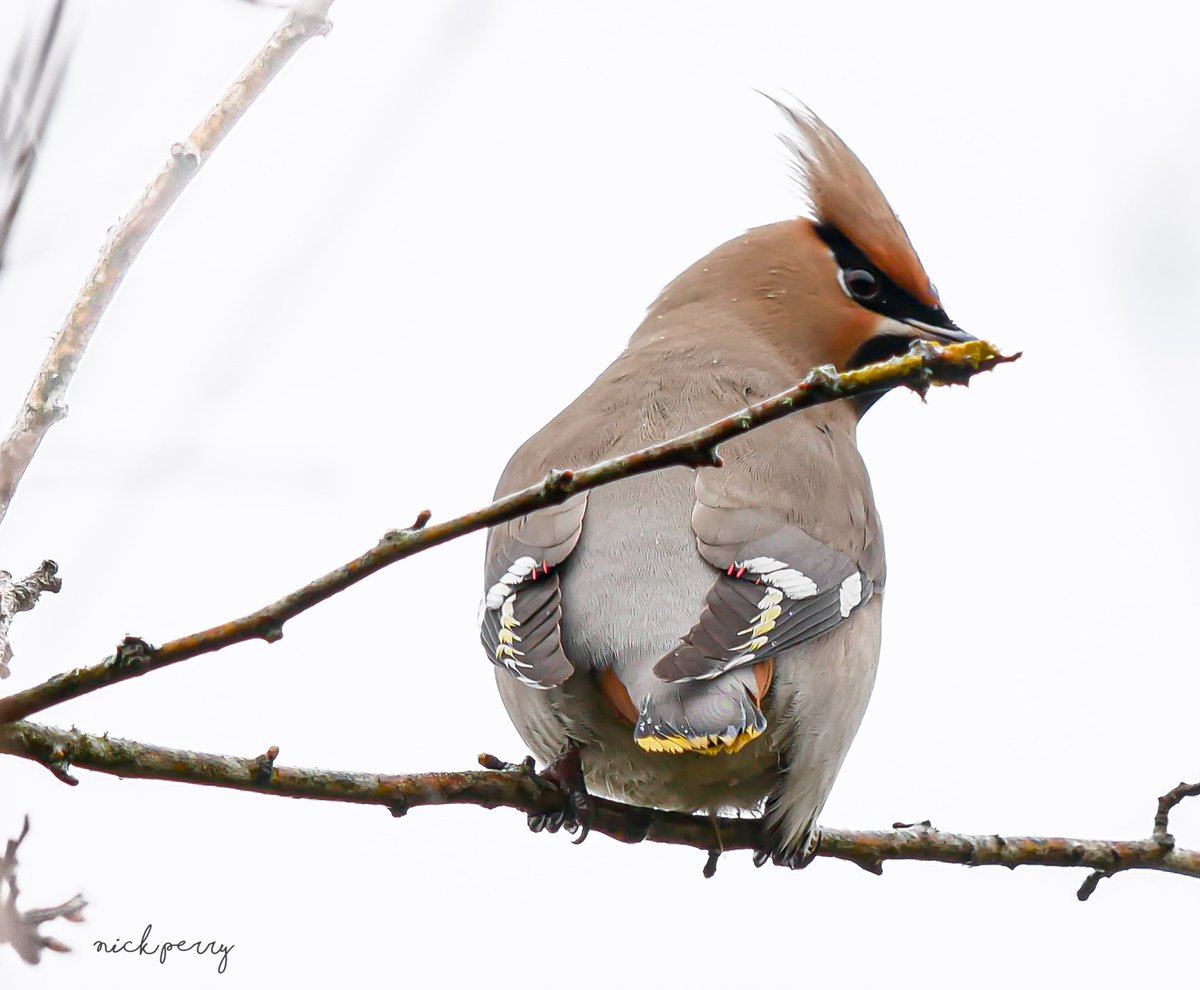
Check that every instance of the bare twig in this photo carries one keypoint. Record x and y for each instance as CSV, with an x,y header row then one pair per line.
x,y
925,364
21,596
44,405
524,791
20,929
1166,804
31,88
1161,835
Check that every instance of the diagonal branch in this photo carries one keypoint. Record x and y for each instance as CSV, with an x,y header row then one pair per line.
x,y
44,405
19,928
925,364
518,788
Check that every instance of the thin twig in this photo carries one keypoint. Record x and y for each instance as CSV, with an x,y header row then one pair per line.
x,y
19,928
519,789
44,405
21,596
923,365
1166,804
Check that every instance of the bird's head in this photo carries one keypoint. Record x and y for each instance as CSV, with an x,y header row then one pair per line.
x,y
841,286
868,296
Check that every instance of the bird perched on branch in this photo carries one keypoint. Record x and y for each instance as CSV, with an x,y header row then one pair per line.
x,y
707,640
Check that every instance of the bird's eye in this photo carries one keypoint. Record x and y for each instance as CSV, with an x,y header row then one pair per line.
x,y
861,283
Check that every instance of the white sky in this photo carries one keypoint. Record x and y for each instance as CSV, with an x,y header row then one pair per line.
x,y
427,237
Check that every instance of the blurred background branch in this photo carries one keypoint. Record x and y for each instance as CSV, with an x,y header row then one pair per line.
x,y
45,403
31,87
22,929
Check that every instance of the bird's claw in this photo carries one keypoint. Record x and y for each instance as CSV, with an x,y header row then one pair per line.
x,y
795,859
565,775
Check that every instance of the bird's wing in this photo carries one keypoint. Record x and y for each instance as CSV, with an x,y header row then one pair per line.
x,y
778,585
521,610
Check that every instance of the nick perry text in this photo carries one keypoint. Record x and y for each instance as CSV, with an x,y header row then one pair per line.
x,y
162,950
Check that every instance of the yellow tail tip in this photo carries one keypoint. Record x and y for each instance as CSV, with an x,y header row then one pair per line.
x,y
707,745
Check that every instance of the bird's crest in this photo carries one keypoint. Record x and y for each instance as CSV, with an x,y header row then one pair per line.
x,y
842,194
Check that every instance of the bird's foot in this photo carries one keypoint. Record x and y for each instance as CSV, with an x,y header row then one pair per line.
x,y
793,859
565,775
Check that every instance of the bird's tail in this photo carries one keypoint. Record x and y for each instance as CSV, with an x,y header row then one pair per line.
x,y
720,715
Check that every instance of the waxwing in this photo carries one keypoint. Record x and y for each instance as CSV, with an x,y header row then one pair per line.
x,y
708,640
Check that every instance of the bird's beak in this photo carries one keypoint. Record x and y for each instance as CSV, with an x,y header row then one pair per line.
x,y
944,331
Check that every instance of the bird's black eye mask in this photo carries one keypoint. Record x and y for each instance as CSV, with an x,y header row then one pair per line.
x,y
872,289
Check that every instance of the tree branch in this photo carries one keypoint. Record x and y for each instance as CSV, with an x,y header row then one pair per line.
x,y
21,928
925,364
518,787
44,405
21,596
